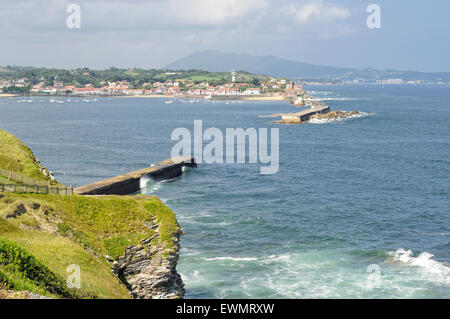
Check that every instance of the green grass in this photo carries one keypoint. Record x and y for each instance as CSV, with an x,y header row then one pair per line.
x,y
219,76
64,230
104,224
131,73
44,234
203,78
21,271
167,220
4,180
57,253
17,157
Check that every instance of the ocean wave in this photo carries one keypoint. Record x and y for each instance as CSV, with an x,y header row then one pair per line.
x,y
432,269
148,185
324,121
277,258
337,99
232,258
320,92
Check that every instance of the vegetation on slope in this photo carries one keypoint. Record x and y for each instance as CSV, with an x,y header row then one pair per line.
x,y
17,157
136,77
82,230
41,235
21,271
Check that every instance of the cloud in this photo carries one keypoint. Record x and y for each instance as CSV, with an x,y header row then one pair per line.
x,y
172,13
215,12
153,32
140,15
318,11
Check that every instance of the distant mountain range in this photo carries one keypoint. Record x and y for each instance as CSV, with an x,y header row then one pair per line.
x,y
215,61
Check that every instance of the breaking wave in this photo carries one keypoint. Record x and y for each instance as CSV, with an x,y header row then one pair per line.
x,y
232,258
430,269
337,99
339,119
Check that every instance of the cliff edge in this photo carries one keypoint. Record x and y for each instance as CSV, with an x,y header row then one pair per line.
x,y
54,246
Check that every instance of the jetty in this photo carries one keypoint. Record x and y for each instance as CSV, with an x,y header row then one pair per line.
x,y
302,116
130,183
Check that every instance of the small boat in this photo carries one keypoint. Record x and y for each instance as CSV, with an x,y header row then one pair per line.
x,y
169,102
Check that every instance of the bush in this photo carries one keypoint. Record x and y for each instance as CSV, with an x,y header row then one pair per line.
x,y
21,271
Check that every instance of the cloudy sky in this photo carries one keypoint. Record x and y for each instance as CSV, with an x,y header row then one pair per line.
x,y
414,34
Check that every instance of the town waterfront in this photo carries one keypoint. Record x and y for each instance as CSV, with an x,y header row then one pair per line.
x,y
368,193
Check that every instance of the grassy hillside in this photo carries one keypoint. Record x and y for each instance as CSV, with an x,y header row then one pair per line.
x,y
215,61
62,230
17,157
42,235
136,77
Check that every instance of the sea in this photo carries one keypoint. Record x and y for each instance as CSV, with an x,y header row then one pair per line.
x,y
359,208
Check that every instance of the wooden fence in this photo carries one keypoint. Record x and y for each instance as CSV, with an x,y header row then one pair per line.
x,y
37,189
21,179
30,185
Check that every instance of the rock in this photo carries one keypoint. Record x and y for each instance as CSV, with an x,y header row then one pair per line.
x,y
149,271
336,115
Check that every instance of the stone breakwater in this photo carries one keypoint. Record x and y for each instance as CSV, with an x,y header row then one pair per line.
x,y
317,112
148,270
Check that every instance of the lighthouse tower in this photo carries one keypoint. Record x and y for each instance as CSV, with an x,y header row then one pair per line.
x,y
233,76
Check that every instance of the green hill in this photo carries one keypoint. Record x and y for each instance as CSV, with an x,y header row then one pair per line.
x,y
42,235
215,61
17,157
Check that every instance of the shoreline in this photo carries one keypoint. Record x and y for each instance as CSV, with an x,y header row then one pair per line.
x,y
214,98
143,267
156,96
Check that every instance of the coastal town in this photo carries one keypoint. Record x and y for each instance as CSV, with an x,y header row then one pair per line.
x,y
282,88
193,84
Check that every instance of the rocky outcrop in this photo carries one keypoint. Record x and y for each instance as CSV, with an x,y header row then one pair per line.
x,y
149,269
336,115
11,294
44,171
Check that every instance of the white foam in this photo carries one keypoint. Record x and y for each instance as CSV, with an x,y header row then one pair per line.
x,y
143,181
277,258
320,92
148,186
432,269
324,121
336,99
221,224
232,258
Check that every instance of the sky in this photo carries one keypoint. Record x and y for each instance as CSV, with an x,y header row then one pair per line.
x,y
414,35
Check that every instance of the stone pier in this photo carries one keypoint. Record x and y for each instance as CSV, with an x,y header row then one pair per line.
x,y
130,183
304,115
